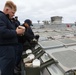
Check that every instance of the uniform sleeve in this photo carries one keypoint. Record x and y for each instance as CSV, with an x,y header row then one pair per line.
x,y
6,32
29,36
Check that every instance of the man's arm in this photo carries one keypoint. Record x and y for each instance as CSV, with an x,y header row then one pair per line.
x,y
6,32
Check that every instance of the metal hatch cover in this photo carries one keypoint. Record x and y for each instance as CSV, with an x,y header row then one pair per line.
x,y
50,44
68,41
66,58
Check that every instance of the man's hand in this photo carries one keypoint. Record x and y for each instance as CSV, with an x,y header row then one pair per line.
x,y
20,30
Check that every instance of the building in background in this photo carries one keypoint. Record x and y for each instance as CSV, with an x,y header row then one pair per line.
x,y
56,20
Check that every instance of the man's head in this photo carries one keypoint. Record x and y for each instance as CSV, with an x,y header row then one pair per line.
x,y
28,23
10,8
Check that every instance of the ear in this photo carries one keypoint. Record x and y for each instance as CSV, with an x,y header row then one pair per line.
x,y
6,9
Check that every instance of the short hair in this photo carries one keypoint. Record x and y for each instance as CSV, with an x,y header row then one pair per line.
x,y
11,5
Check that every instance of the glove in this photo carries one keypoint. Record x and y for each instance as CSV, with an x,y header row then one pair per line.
x,y
37,37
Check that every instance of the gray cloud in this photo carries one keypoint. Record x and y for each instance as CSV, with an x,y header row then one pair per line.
x,y
44,9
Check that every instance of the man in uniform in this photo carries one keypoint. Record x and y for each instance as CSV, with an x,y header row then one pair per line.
x,y
8,38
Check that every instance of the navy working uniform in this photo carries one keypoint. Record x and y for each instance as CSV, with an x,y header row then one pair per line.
x,y
8,41
28,35
19,46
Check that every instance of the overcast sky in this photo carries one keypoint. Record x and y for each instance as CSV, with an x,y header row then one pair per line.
x,y
44,9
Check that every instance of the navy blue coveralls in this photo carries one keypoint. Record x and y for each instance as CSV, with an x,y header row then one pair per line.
x,y
26,38
19,46
8,41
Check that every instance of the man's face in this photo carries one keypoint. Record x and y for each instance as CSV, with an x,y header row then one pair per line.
x,y
26,25
11,12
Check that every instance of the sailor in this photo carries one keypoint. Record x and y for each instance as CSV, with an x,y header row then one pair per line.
x,y
29,35
19,47
8,39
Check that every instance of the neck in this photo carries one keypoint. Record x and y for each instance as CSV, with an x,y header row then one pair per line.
x,y
4,11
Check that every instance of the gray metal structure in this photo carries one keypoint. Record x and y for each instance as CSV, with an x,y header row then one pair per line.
x,y
59,44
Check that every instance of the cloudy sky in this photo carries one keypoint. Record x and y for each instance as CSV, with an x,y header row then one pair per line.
x,y
44,9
